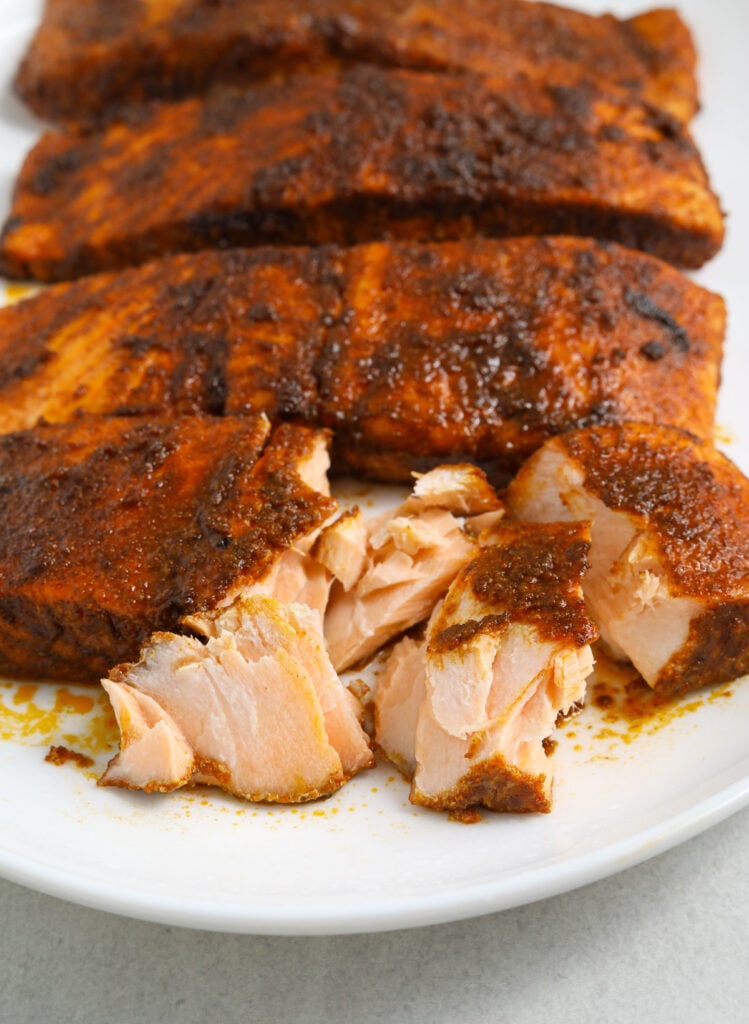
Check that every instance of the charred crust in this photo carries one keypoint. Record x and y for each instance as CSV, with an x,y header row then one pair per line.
x,y
475,363
494,784
531,574
447,156
461,633
644,306
90,63
653,350
59,755
715,650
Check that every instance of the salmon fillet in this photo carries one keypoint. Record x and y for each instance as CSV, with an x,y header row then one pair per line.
x,y
89,57
465,712
356,156
669,579
482,350
489,346
256,710
114,528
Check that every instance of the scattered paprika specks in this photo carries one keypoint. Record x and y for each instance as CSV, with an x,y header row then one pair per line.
x,y
630,708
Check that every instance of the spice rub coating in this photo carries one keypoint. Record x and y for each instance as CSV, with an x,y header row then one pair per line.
x,y
213,332
694,499
114,528
531,574
412,354
482,350
357,156
669,584
90,57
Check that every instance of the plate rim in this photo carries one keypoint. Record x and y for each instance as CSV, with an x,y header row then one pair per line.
x,y
459,903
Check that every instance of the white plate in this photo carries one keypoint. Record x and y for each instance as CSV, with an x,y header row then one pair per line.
x,y
366,859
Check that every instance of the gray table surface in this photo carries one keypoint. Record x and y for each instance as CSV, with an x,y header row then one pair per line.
x,y
667,941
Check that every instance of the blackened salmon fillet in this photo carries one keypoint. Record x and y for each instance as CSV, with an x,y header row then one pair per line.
x,y
89,57
113,528
412,354
358,156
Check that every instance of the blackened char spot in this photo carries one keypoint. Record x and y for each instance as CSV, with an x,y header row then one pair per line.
x,y
653,350
262,313
244,227
644,306
52,174
477,290
186,296
12,370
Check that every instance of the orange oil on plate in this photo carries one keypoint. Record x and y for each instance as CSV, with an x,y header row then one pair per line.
x,y
50,715
628,708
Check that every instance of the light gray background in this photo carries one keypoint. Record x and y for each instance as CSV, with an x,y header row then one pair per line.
x,y
667,941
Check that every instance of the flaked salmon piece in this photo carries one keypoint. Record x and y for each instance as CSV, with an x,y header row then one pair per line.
x,y
397,702
248,703
669,579
462,488
313,466
295,578
259,625
342,547
411,534
155,755
412,555
483,526
256,728
505,653
397,591
503,767
312,469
